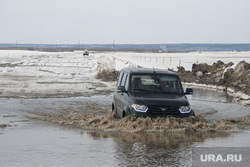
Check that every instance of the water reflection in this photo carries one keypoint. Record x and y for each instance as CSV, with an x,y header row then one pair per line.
x,y
215,105
209,95
154,149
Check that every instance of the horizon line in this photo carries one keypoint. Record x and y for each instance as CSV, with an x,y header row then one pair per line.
x,y
115,43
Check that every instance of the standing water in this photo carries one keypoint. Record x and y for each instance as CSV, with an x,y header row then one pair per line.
x,y
57,141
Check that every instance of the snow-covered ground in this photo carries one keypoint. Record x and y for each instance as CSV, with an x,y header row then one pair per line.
x,y
62,74
173,60
46,74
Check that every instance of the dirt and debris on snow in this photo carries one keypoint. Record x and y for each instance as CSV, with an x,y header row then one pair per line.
x,y
220,74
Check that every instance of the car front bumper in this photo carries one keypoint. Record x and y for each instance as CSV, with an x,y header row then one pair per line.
x,y
148,114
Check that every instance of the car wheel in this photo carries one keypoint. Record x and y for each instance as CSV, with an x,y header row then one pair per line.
x,y
123,114
114,109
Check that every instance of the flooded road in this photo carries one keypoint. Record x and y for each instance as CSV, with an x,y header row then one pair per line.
x,y
27,141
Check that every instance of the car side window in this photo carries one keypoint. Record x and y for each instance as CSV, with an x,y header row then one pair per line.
x,y
120,78
124,79
127,83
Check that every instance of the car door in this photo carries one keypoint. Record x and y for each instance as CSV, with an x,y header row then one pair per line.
x,y
122,96
117,101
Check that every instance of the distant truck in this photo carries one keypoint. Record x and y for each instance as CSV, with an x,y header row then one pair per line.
x,y
86,53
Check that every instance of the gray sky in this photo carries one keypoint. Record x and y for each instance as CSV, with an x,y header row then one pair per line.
x,y
125,21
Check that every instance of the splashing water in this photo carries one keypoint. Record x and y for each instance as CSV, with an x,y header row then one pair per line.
x,y
108,122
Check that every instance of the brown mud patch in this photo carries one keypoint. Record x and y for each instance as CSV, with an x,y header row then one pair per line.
x,y
107,75
108,122
4,125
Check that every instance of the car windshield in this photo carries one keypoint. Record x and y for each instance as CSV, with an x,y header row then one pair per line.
x,y
156,84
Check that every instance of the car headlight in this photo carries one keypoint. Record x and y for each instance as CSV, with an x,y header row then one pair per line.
x,y
185,109
140,108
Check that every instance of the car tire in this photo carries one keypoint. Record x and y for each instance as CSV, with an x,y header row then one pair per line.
x,y
123,114
114,109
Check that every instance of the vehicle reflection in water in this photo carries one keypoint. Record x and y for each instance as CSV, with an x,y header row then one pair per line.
x,y
154,149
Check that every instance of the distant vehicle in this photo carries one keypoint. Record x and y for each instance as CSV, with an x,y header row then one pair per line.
x,y
86,53
144,92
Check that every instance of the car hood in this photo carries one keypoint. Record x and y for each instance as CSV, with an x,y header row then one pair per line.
x,y
161,100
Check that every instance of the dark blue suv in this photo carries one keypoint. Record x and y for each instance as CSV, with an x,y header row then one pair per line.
x,y
144,92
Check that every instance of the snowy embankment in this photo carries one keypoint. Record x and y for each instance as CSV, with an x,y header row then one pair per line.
x,y
223,75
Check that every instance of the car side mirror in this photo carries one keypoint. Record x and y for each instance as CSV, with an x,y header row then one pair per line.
x,y
122,89
189,91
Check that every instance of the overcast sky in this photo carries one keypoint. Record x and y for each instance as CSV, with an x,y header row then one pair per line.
x,y
124,21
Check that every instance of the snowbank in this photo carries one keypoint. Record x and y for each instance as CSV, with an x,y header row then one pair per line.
x,y
63,74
